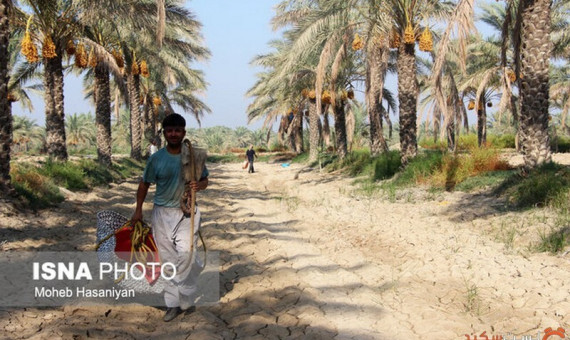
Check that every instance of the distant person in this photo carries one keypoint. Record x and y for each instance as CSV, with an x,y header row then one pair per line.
x,y
153,147
250,153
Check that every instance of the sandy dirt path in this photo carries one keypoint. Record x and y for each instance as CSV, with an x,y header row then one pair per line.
x,y
304,256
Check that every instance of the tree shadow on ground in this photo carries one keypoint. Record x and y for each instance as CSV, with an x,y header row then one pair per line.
x,y
269,313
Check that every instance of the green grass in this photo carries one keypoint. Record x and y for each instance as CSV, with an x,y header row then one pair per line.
x,y
546,185
560,144
225,158
386,165
37,190
39,185
555,241
485,180
506,141
469,141
65,174
126,168
239,158
263,158
420,168
301,158
357,163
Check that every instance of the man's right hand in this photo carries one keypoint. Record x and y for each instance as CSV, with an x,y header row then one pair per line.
x,y
141,195
137,216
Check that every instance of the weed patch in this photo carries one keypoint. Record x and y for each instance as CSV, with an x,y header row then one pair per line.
x,y
35,188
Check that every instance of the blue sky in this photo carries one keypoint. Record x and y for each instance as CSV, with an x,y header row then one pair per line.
x,y
235,32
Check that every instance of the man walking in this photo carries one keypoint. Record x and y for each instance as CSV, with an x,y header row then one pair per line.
x,y
250,153
171,230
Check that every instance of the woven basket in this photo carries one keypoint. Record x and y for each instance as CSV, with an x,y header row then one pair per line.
x,y
108,222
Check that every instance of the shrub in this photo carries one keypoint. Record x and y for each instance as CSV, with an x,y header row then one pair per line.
x,y
228,158
96,174
66,174
358,162
301,158
456,168
467,142
38,190
421,168
505,141
276,147
387,165
126,168
430,144
555,241
560,144
544,185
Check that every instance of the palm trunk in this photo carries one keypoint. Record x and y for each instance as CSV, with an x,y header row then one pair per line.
x,y
350,127
481,124
374,87
326,127
515,111
133,84
150,120
268,139
465,120
282,130
103,114
290,131
407,95
5,108
386,116
340,129
298,128
55,117
117,106
450,131
436,124
455,114
535,59
313,131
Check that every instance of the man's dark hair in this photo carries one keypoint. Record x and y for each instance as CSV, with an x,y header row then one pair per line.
x,y
173,120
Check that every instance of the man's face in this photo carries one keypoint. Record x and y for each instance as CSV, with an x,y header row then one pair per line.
x,y
174,135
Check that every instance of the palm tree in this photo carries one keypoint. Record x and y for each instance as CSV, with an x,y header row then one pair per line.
x,y
303,61
51,25
242,136
535,52
104,58
80,129
376,67
445,64
278,94
172,79
260,137
406,17
560,93
156,78
120,132
26,133
5,108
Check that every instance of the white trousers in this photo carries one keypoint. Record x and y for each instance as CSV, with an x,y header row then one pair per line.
x,y
172,236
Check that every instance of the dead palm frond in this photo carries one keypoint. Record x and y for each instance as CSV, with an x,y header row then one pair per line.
x,y
193,161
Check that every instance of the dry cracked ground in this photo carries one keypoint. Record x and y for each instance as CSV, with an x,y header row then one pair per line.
x,y
303,255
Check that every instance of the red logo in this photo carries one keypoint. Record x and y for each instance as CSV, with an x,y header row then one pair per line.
x,y
549,332
559,333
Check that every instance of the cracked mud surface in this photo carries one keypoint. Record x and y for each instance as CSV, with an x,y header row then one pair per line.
x,y
309,258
